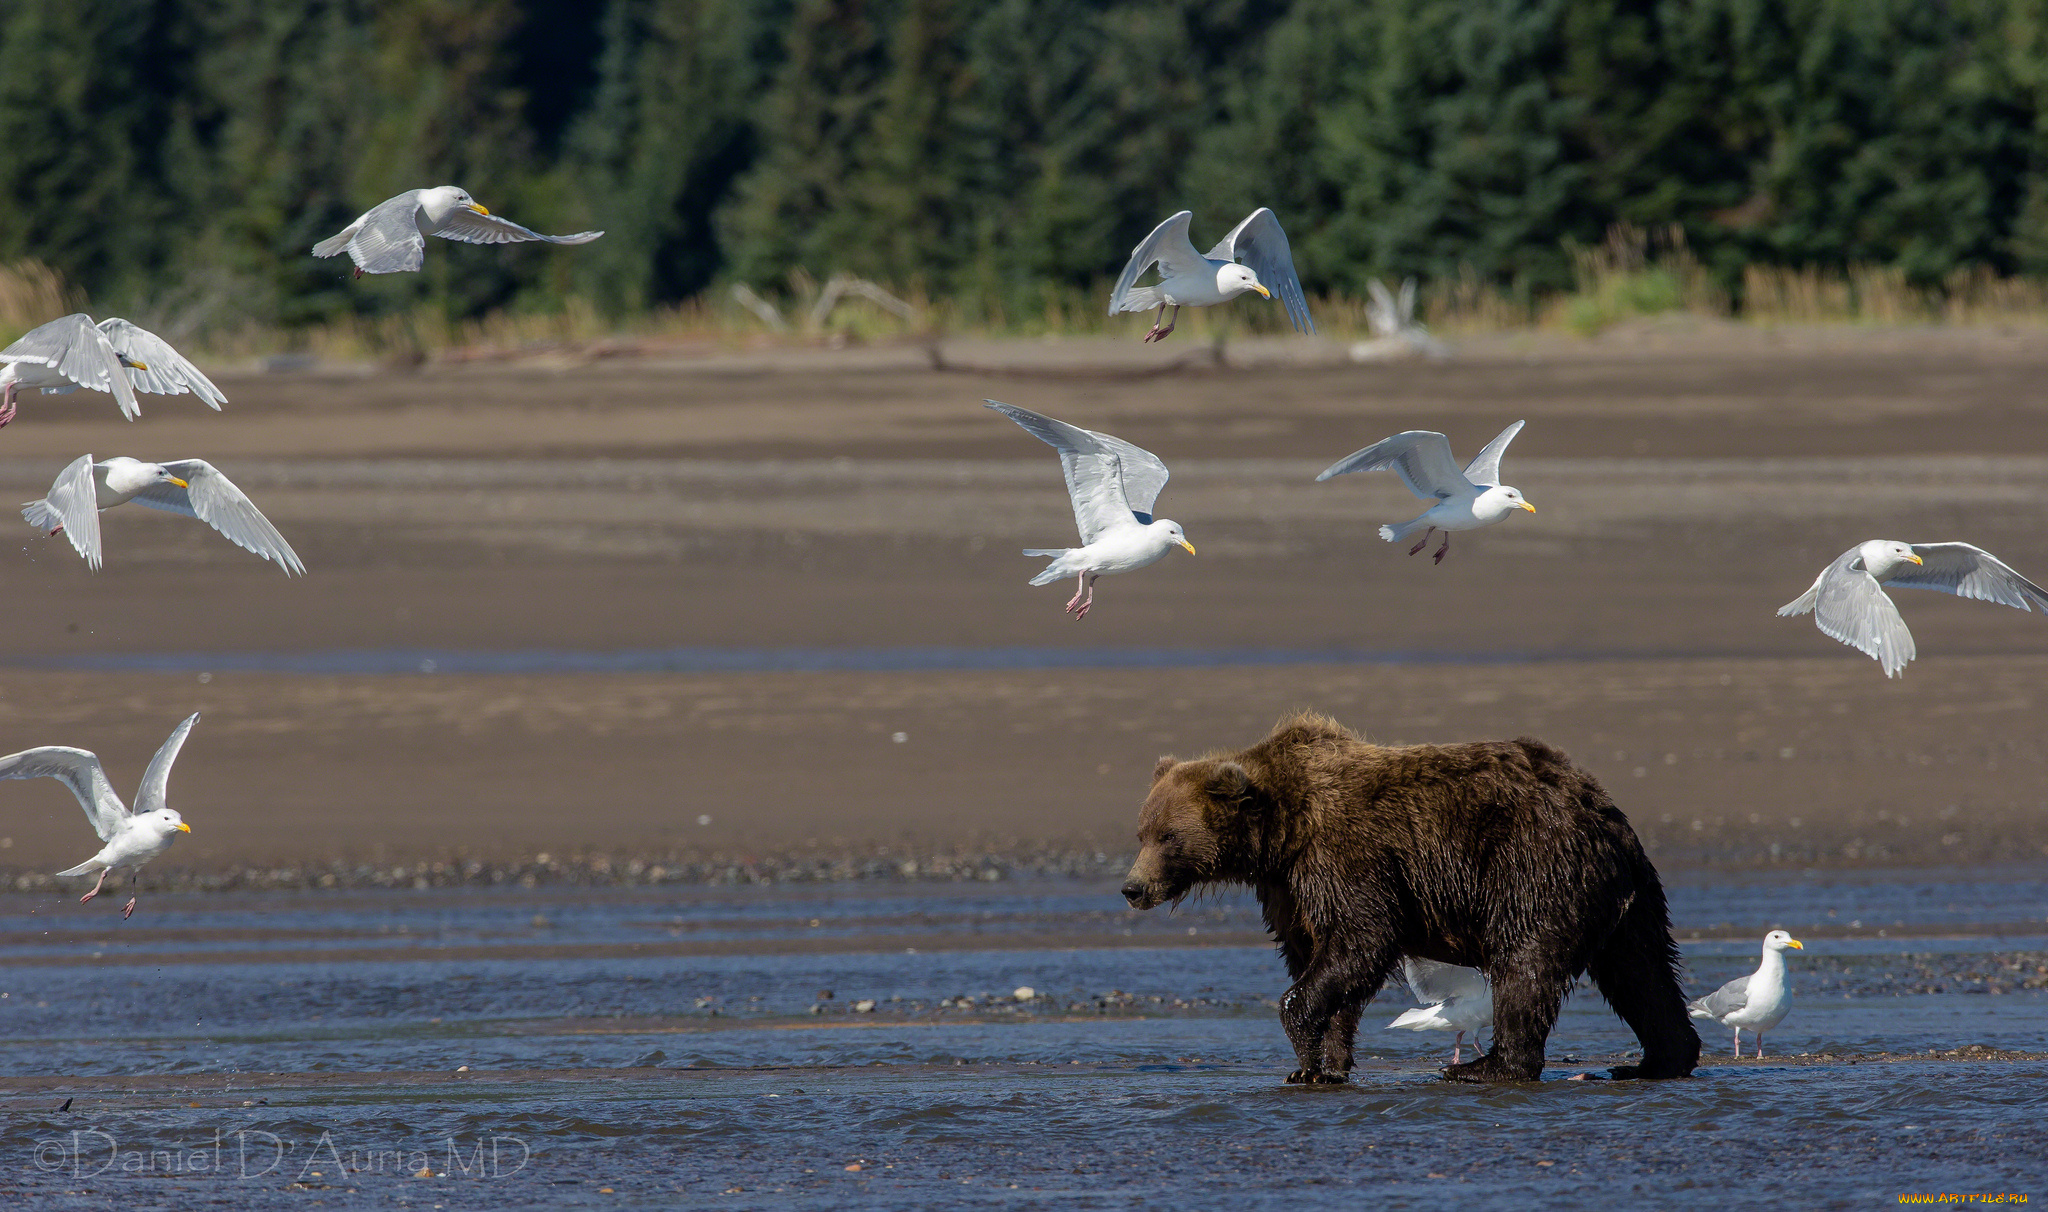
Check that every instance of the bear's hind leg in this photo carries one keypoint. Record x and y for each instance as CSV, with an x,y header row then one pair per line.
x,y
1636,970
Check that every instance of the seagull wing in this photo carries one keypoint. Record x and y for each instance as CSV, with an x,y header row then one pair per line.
x,y
1421,457
1094,470
75,348
1382,314
78,770
1169,248
74,505
472,227
1969,572
158,368
1432,981
1259,243
156,780
213,499
1485,468
387,239
1724,1001
1849,605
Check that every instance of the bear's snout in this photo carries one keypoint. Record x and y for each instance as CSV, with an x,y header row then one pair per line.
x,y
1134,892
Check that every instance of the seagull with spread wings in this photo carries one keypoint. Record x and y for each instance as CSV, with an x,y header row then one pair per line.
x,y
191,487
1461,500
1849,602
1454,997
1254,257
112,356
132,838
1113,485
390,237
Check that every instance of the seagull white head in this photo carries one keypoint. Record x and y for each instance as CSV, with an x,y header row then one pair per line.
x,y
1882,557
444,200
1233,280
1173,532
165,821
128,476
1778,940
1499,501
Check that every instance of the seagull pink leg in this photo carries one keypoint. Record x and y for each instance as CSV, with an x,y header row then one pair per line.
x,y
1738,1043
1158,333
1759,1045
1446,547
1458,1047
1087,579
1424,542
97,885
1080,589
6,405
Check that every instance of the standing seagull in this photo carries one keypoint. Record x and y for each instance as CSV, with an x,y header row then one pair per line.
x,y
390,237
184,486
1189,279
132,839
113,356
1463,500
1849,603
1113,485
1757,1002
1455,998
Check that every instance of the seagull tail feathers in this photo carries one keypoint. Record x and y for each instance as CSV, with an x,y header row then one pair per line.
x,y
1055,571
85,868
1394,534
42,516
1421,1018
1137,298
333,245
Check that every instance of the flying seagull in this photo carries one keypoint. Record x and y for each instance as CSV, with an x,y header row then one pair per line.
x,y
1756,1002
1189,279
1455,998
186,486
390,237
1848,600
1463,500
113,356
1113,485
132,838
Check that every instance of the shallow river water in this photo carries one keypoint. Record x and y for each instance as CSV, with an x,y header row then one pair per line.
x,y
862,1046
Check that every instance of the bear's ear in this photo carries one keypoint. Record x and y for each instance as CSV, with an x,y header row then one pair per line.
x,y
1229,781
1165,764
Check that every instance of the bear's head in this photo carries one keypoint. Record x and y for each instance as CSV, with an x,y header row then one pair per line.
x,y
1188,828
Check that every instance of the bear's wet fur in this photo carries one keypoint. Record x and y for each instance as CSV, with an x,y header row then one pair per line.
x,y
1498,855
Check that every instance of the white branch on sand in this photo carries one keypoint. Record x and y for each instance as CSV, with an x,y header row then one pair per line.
x,y
744,295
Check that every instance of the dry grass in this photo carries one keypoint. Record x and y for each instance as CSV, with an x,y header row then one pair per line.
x,y
32,293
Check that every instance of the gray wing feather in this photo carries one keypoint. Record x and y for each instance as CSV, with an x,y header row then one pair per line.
x,y
1167,247
1107,478
387,238
74,347
471,228
1421,457
1260,243
1484,469
1433,981
81,772
1969,572
1724,1001
1849,605
156,780
73,504
163,370
213,499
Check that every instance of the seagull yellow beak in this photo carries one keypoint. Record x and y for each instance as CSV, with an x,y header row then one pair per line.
x,y
184,828
1916,559
1527,506
1188,545
1795,944
180,483
478,207
1262,290
132,364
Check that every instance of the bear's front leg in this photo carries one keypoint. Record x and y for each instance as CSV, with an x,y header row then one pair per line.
x,y
1525,1007
1320,1015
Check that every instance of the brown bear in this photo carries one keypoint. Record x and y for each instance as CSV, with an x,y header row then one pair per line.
x,y
1498,855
